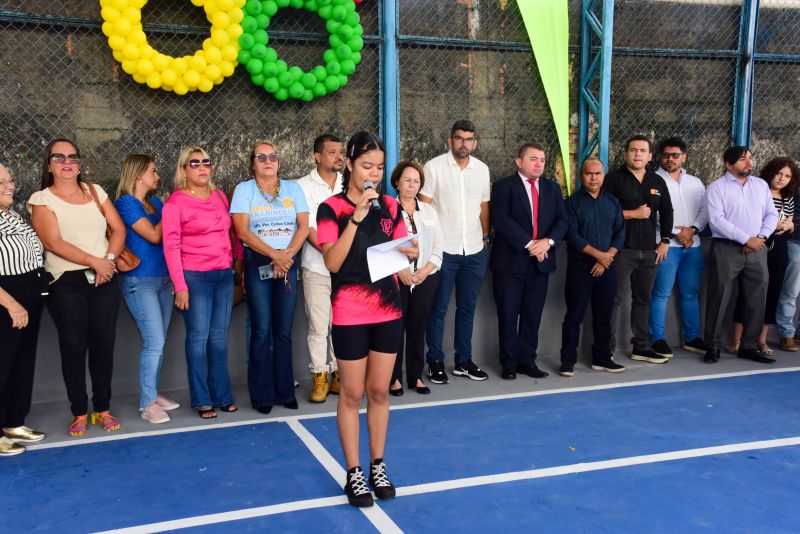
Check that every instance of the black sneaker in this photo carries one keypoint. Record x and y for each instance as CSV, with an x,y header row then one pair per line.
x,y
661,347
609,366
470,370
379,481
754,355
648,355
356,489
566,369
697,345
436,373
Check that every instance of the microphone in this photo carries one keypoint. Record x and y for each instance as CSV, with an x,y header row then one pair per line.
x,y
374,204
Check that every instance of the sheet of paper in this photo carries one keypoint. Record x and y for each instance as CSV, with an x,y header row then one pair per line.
x,y
385,259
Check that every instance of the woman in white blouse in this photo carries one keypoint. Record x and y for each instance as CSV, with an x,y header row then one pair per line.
x,y
418,284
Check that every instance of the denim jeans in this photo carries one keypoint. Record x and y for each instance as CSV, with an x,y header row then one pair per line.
x,y
466,272
687,265
149,299
271,304
787,302
207,321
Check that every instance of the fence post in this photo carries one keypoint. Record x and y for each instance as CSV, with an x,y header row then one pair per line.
x,y
390,97
743,95
592,69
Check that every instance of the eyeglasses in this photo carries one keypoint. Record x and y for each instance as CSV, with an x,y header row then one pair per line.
x,y
69,158
7,183
263,158
195,163
465,140
671,155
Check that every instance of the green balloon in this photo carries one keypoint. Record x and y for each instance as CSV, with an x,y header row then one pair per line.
x,y
324,3
282,94
348,67
319,90
339,13
332,26
343,52
331,84
339,2
271,85
319,73
342,80
249,24
285,79
358,30
282,66
308,80
254,66
258,51
356,44
296,90
352,19
282,3
334,40
296,72
296,4
356,57
311,6
324,12
269,69
333,68
261,37
243,56
345,32
257,79
272,55
263,21
329,55
269,7
308,95
246,41
252,7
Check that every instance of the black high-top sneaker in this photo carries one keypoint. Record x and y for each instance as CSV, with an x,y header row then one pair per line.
x,y
356,489
379,481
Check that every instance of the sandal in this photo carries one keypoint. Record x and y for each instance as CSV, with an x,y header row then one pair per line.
x,y
733,348
228,408
106,420
766,349
78,426
206,413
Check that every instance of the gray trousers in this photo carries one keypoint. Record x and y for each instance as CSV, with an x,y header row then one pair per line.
x,y
728,268
636,274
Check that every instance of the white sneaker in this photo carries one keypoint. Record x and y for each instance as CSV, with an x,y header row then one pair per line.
x,y
166,404
154,414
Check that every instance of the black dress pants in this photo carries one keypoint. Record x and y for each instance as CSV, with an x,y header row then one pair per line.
x,y
416,309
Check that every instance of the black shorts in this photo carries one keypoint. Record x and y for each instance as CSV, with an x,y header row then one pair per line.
x,y
353,342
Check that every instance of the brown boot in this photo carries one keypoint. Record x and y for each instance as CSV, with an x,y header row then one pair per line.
x,y
334,383
788,344
320,391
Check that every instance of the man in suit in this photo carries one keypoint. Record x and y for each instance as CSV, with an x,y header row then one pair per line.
x,y
530,221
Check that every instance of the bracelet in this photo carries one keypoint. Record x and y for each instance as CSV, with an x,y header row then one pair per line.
x,y
355,222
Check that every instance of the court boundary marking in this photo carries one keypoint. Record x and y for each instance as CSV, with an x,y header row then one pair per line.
x,y
431,404
378,517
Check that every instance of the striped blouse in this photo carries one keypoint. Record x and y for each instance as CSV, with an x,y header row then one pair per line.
x,y
20,249
785,207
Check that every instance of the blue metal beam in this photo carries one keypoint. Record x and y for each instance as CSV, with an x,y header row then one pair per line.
x,y
595,67
743,96
391,89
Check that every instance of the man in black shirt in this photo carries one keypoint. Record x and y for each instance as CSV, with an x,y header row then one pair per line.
x,y
645,202
596,234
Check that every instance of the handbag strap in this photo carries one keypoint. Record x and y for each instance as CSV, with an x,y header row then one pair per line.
x,y
232,232
93,193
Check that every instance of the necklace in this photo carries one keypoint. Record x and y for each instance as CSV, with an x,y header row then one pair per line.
x,y
267,197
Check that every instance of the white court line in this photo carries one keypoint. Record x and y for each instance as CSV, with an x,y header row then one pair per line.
x,y
338,473
375,514
465,400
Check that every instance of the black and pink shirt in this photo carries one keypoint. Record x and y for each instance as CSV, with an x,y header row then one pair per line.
x,y
355,299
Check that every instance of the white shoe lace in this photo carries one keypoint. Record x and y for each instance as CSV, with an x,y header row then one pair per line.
x,y
358,483
379,478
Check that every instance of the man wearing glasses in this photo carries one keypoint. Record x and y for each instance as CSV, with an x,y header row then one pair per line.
x,y
684,259
457,185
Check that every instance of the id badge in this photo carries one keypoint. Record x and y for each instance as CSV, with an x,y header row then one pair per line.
x,y
266,272
90,276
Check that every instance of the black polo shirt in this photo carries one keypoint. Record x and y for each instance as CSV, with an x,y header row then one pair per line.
x,y
640,234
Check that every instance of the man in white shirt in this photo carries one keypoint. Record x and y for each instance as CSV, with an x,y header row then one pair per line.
x,y
684,258
322,182
458,185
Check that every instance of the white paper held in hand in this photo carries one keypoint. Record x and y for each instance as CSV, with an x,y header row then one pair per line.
x,y
385,259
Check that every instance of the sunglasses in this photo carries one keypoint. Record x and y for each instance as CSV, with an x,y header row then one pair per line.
x,y
69,158
671,155
196,163
263,158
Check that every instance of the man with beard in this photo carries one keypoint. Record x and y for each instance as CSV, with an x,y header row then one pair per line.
x,y
741,215
322,182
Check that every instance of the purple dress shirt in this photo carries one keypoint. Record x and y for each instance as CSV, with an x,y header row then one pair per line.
x,y
739,212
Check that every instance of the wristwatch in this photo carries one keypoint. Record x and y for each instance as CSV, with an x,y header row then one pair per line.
x,y
110,257
696,229
762,237
665,241
551,242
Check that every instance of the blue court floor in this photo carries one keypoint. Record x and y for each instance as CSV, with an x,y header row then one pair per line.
x,y
710,455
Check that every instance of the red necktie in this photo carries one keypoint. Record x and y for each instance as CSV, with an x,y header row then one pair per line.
x,y
534,205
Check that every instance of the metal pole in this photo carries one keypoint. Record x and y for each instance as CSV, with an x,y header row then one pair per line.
x,y
391,89
743,104
606,50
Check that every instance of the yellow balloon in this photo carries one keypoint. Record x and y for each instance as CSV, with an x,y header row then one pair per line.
x,y
122,27
116,42
109,14
108,29
227,68
119,5
160,62
191,78
213,55
205,85
169,77
198,62
132,14
106,3
236,16
235,31
153,80
144,67
198,3
137,36
221,19
220,37
130,51
129,66
146,52
138,4
211,8
138,78
118,56
230,53
212,72
225,5
180,88
180,65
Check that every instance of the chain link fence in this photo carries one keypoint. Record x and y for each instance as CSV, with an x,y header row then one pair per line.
x,y
59,79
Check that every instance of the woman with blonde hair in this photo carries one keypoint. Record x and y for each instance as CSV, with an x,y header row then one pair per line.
x,y
197,248
147,289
